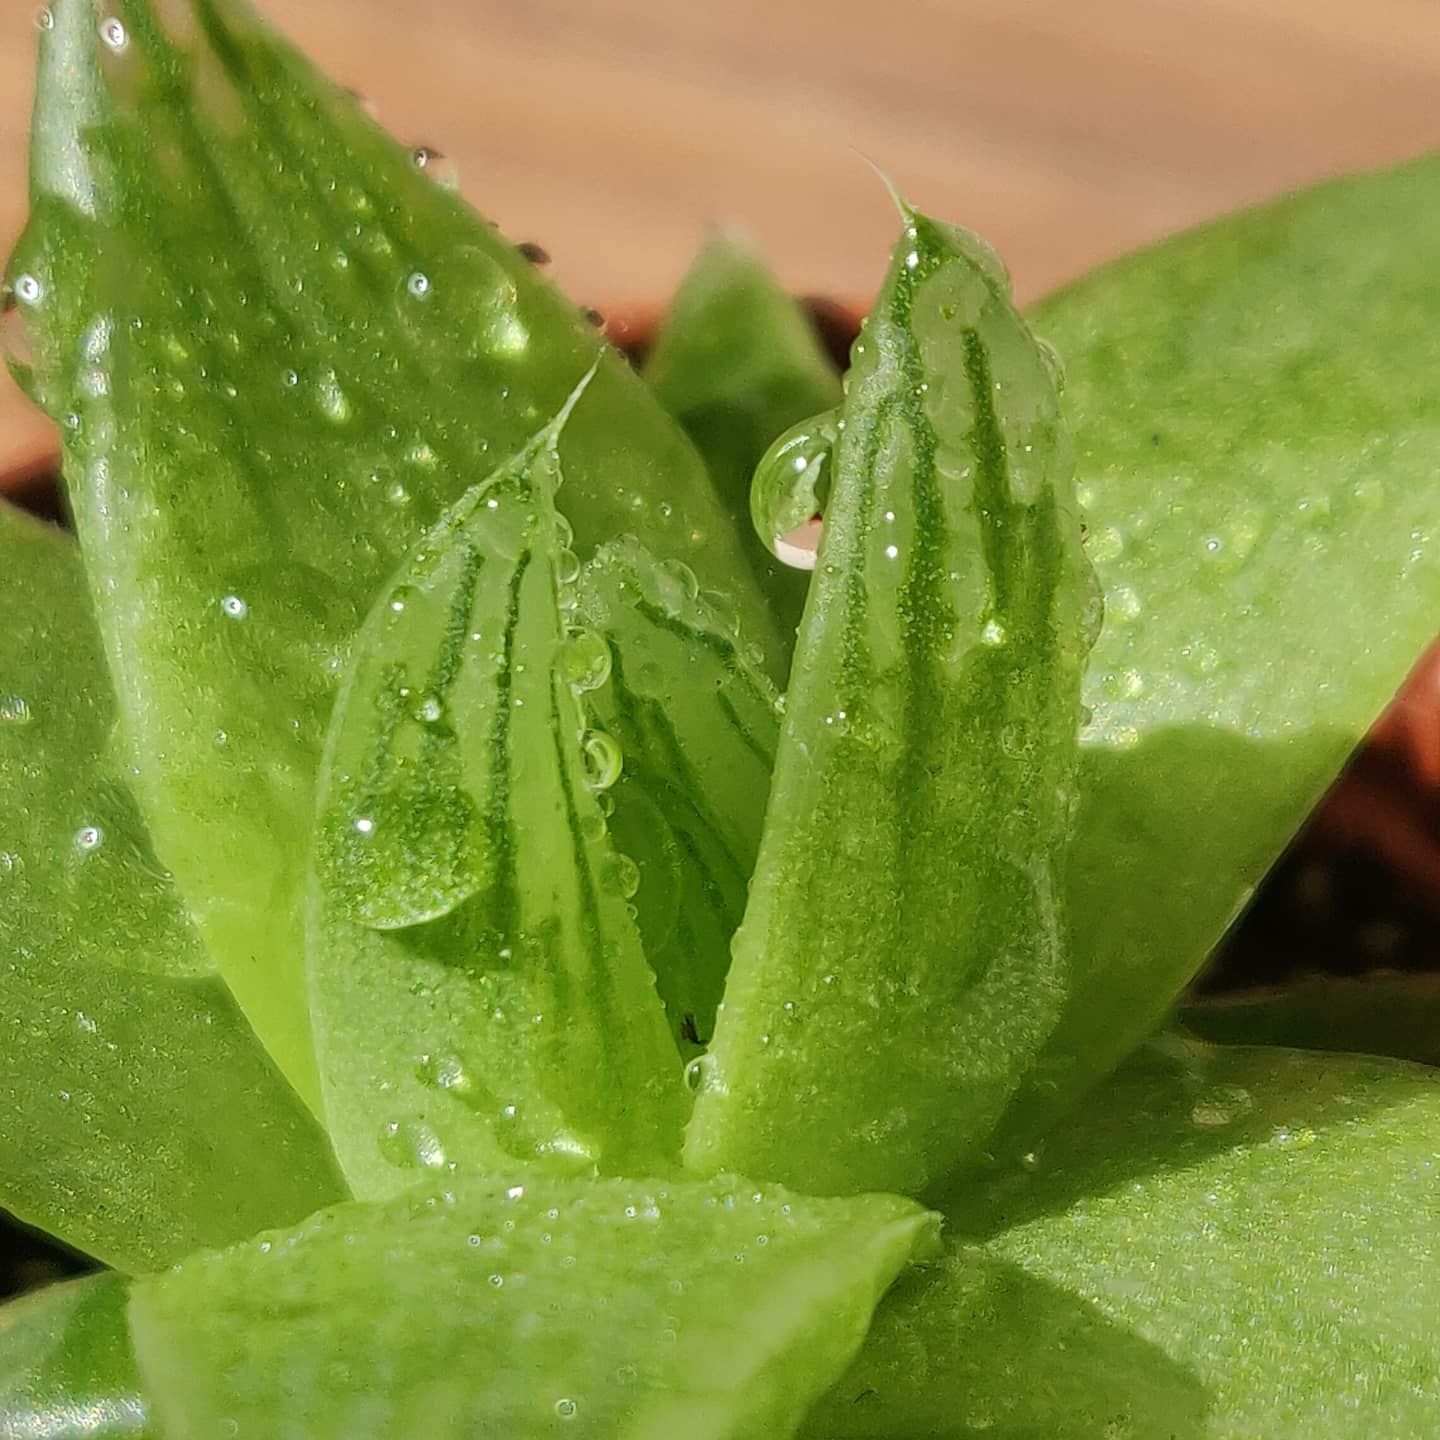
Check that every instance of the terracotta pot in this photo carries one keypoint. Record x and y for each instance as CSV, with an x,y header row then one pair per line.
x,y
1384,812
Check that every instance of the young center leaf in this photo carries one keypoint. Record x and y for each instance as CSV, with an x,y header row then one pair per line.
x,y
1257,437
120,1054
279,350
625,1309
1235,1243
479,990
901,957
697,721
738,362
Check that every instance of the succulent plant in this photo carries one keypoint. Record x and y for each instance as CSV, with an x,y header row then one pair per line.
x,y
423,706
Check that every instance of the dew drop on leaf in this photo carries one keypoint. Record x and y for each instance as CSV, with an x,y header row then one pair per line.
x,y
114,34
603,759
584,661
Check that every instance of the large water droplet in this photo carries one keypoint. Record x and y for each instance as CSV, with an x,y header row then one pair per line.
x,y
790,487
584,661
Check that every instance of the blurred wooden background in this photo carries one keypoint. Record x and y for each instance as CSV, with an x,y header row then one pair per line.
x,y
616,131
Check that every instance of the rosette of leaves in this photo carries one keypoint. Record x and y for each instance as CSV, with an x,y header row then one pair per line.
x,y
485,951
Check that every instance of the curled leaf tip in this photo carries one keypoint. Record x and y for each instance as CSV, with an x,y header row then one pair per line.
x,y
903,207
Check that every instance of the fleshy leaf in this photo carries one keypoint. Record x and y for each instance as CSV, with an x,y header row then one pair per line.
x,y
479,988
122,1134
1257,433
285,350
67,1370
1246,1242
1381,1014
621,1308
901,957
696,720
737,361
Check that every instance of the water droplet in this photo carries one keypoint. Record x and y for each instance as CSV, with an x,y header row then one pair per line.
x,y
790,487
397,494
584,661
234,607
565,1409
567,567
15,710
603,759
621,874
45,20
993,634
334,402
365,825
429,711
114,34
28,290
408,1144
289,378
697,1073
678,586
437,166
88,838
418,285
444,1072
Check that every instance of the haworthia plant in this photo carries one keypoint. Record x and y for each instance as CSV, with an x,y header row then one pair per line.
x,y
935,695
736,362
390,767
369,349
120,1053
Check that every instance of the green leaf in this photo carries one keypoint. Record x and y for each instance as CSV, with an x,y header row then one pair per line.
x,y
1233,1244
696,721
479,990
67,1371
1257,436
620,1309
737,361
286,350
1381,1014
120,1059
901,956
